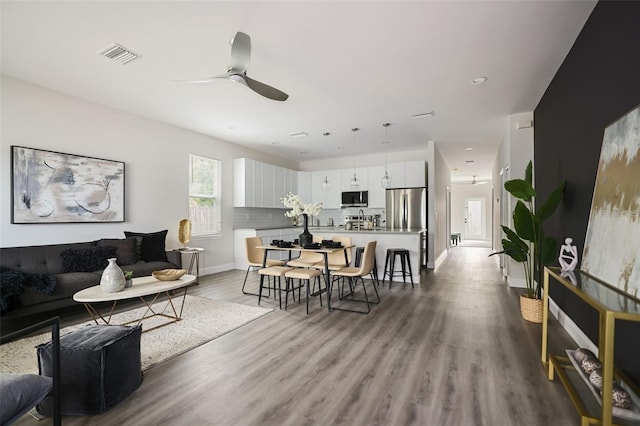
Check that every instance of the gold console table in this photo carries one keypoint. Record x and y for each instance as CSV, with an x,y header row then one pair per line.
x,y
611,305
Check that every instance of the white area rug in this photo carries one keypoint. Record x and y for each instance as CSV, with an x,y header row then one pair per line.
x,y
202,321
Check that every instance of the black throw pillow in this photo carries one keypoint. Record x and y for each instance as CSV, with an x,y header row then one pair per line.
x,y
153,245
87,260
10,286
126,249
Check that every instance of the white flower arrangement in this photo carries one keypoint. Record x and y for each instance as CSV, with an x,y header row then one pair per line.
x,y
298,207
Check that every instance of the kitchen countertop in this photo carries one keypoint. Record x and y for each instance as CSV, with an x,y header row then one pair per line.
x,y
340,229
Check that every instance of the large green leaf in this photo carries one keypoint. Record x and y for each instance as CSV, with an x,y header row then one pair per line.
x,y
513,237
520,189
528,173
524,222
514,251
552,203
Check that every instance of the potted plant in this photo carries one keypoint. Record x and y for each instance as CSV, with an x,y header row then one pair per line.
x,y
128,279
527,243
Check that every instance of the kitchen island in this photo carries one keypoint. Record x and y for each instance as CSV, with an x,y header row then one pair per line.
x,y
386,238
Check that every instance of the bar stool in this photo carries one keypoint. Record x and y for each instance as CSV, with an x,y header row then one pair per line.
x,y
303,275
374,273
405,261
276,272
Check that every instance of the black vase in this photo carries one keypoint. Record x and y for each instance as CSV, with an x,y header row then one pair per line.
x,y
305,238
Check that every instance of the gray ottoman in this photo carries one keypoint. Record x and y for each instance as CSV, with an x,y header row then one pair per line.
x,y
99,367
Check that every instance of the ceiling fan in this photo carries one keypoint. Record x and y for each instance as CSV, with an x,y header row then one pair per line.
x,y
474,181
237,71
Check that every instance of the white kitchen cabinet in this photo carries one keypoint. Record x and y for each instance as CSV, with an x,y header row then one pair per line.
x,y
304,186
414,174
376,191
396,173
290,184
268,194
278,185
330,199
243,182
257,184
347,174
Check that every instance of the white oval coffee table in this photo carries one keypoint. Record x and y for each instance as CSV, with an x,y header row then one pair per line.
x,y
147,289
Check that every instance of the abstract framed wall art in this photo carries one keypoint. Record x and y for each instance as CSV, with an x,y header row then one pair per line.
x,y
53,187
612,243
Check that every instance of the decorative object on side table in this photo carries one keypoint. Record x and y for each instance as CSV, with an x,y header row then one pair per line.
x,y
527,243
112,279
299,208
128,279
184,232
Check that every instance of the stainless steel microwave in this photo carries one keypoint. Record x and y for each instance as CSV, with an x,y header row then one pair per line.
x,y
355,199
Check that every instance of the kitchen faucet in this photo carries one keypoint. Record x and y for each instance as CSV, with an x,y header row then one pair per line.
x,y
360,223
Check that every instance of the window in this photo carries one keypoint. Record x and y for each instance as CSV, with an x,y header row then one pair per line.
x,y
205,210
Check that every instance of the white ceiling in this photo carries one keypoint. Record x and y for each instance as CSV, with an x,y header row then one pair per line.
x,y
344,64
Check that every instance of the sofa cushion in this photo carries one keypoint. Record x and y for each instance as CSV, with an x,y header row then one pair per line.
x,y
21,392
87,260
152,248
126,249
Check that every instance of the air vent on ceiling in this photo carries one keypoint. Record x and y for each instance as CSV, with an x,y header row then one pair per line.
x,y
118,53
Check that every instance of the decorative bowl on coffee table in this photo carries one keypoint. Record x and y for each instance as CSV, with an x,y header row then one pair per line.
x,y
168,274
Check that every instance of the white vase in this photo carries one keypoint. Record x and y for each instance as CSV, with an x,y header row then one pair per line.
x,y
112,280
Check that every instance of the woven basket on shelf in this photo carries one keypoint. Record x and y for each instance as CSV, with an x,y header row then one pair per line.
x,y
531,309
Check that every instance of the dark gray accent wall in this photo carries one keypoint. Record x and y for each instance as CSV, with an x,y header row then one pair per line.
x,y
598,82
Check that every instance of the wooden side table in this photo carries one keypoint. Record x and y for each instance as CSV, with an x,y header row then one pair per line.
x,y
195,259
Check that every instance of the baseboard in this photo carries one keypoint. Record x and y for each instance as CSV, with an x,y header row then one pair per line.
x,y
517,282
439,259
572,329
217,268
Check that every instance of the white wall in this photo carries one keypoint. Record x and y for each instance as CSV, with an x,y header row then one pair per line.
x,y
156,167
517,151
438,186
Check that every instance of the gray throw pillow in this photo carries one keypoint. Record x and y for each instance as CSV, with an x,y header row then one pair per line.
x,y
19,393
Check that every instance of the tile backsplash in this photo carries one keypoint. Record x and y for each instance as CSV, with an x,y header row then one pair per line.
x,y
250,217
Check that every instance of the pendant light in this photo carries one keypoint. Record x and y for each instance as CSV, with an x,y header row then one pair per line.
x,y
355,182
386,179
326,185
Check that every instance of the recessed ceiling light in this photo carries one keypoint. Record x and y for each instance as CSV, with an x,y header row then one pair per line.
x,y
478,80
423,115
468,149
299,134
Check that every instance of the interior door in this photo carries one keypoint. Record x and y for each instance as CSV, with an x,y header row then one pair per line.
x,y
475,219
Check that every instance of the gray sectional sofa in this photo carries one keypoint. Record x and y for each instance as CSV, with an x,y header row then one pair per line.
x,y
38,279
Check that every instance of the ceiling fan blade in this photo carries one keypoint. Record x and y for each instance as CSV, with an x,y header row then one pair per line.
x,y
240,52
266,90
207,79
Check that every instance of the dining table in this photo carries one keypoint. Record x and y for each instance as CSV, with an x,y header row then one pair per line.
x,y
324,250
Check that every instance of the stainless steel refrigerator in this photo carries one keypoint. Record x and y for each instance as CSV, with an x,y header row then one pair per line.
x,y
406,210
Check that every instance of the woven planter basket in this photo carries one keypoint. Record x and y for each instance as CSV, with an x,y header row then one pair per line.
x,y
531,309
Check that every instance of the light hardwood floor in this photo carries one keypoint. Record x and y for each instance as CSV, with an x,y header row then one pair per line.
x,y
452,351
